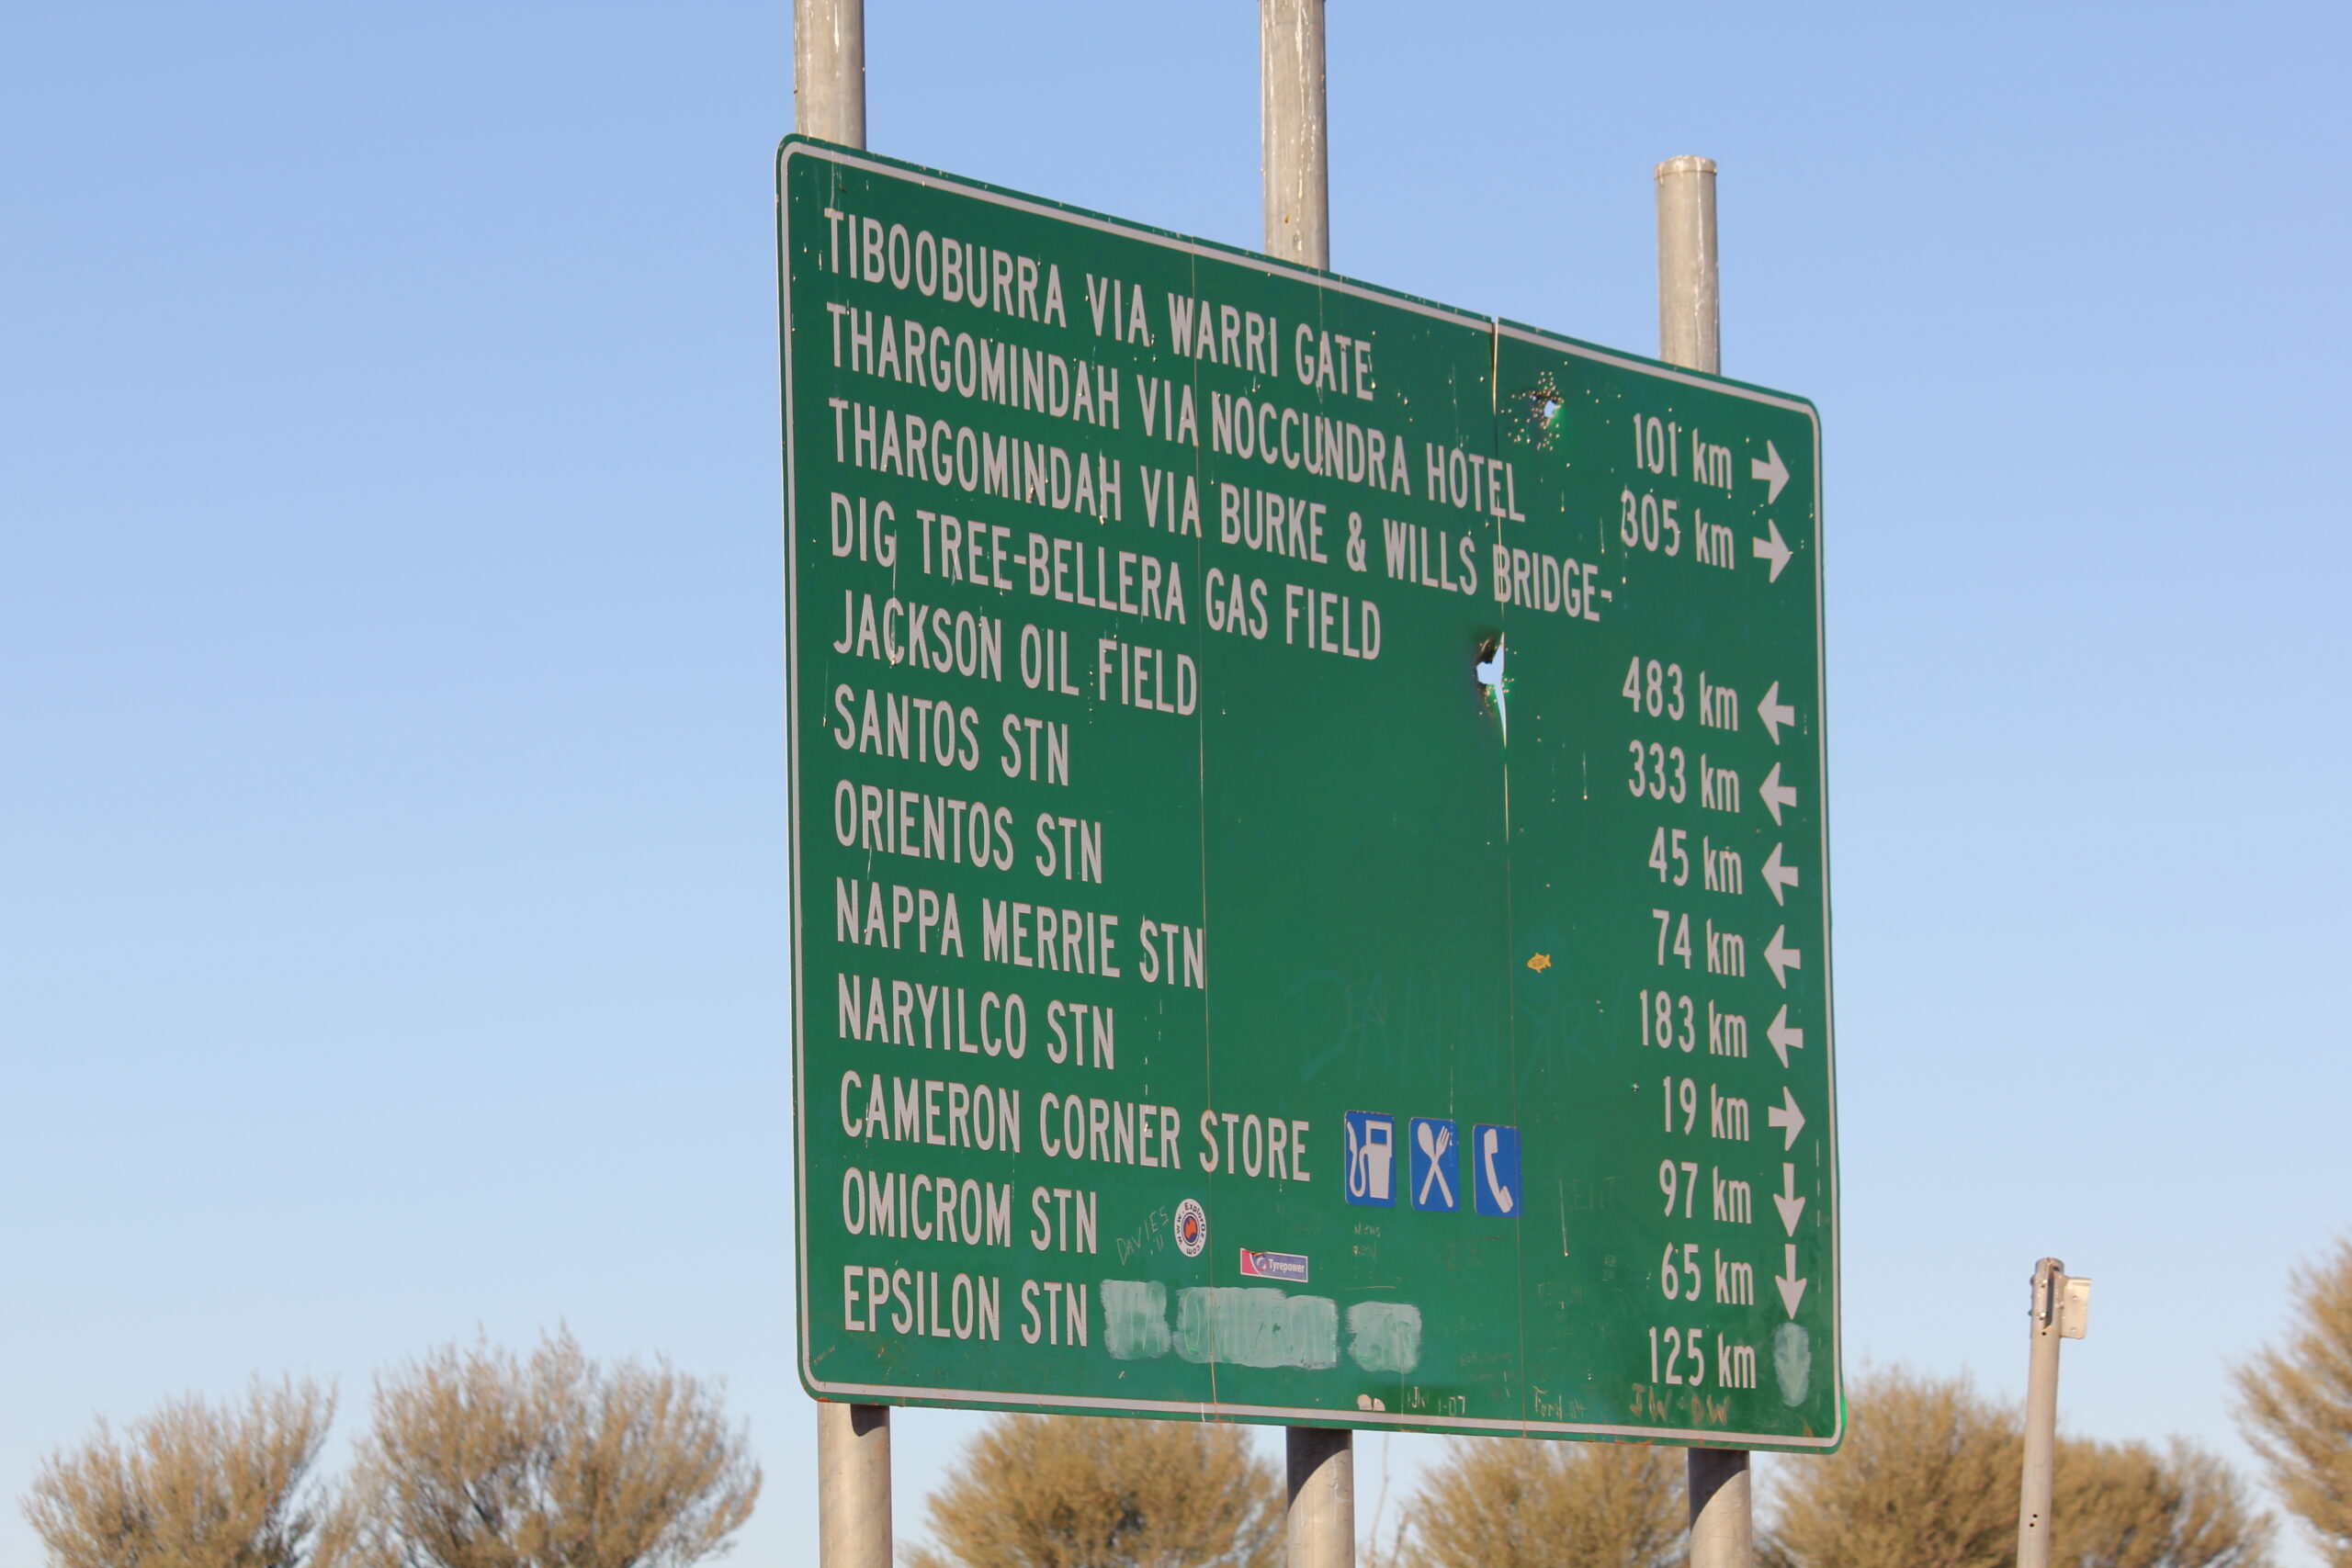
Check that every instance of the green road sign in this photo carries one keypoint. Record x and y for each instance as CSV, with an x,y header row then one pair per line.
x,y
1309,881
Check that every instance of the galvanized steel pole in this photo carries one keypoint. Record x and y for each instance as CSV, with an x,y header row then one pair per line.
x,y
1322,1525
829,68
1290,93
853,1441
2040,1415
853,1485
1689,320
1722,1513
1321,1528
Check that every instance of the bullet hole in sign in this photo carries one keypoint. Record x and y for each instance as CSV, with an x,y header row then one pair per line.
x,y
1489,670
1546,408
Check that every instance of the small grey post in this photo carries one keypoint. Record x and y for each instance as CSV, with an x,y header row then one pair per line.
x,y
2040,1418
1723,1515
1290,98
853,1485
829,68
1322,1525
2060,1310
1690,320
1321,1528
853,1441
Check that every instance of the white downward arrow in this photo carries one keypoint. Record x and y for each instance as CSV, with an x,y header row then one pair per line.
x,y
1774,712
1779,877
1786,1114
1771,469
1791,1288
1774,549
1781,957
1785,1039
1791,1207
1776,794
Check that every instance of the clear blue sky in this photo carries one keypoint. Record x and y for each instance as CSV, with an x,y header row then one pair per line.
x,y
391,768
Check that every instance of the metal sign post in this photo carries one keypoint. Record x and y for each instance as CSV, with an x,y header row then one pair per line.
x,y
2060,1310
1320,1472
1294,130
1690,331
853,1441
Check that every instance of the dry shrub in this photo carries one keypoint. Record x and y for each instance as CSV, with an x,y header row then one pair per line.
x,y
1928,1477
2126,1506
2295,1405
193,1485
1093,1492
1522,1503
478,1460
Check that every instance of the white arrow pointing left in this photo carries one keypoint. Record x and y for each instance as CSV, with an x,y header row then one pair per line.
x,y
1776,794
1778,877
1783,1037
1774,549
1787,1115
1791,1207
1771,469
1792,1287
1781,957
1774,712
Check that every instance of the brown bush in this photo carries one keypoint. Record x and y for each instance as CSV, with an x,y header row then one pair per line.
x,y
1522,1503
2126,1506
194,1485
1928,1478
1093,1492
478,1460
2295,1405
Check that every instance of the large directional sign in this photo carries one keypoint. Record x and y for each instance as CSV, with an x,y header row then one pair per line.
x,y
1309,880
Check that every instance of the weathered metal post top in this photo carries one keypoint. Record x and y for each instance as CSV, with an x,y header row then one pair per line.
x,y
829,68
1689,321
1297,165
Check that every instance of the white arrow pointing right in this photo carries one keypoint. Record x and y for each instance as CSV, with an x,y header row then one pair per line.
x,y
1792,1287
1774,712
1771,469
1791,1207
1781,957
1776,794
1783,1037
1786,1114
1774,549
1778,877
